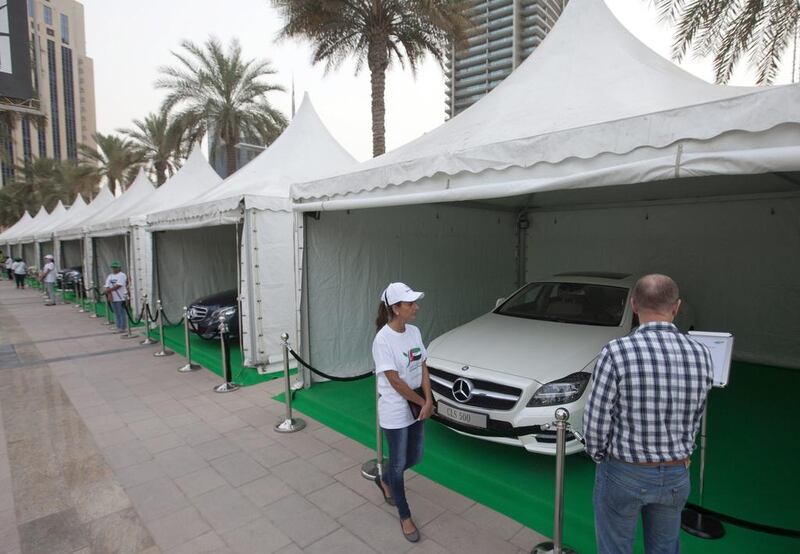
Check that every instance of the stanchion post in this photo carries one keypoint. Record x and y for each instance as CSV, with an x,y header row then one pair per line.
x,y
557,544
696,522
160,315
225,353
109,311
93,302
128,334
75,292
146,314
289,424
82,309
374,468
188,366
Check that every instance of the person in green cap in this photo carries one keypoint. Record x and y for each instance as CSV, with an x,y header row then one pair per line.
x,y
116,289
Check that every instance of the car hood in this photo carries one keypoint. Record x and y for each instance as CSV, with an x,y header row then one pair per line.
x,y
539,350
224,298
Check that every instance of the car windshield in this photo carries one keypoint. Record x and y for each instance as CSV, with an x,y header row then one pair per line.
x,y
581,303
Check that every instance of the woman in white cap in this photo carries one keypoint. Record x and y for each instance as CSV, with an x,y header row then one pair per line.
x,y
405,393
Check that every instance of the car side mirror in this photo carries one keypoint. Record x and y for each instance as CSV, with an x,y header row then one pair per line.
x,y
499,301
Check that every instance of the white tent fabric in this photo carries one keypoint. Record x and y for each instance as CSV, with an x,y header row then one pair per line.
x,y
21,234
105,223
57,217
258,196
20,225
73,227
579,112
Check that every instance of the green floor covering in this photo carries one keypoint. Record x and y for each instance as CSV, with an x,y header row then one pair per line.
x,y
749,473
206,353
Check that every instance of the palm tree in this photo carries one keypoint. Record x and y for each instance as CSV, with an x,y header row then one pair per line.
x,y
219,92
77,178
114,158
727,29
376,32
161,142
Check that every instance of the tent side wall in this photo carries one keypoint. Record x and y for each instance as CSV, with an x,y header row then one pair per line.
x,y
70,253
29,254
462,258
268,298
141,266
735,261
105,250
193,263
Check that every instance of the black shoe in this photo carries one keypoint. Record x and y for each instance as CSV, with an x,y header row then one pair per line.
x,y
387,497
413,536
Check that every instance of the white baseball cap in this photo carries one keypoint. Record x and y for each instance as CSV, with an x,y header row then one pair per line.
x,y
48,257
400,292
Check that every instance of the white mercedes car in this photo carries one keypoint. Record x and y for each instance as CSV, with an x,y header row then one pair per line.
x,y
500,377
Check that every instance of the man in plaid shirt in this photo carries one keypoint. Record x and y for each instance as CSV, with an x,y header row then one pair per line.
x,y
647,398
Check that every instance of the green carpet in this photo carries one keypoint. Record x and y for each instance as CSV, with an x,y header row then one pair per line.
x,y
207,354
749,468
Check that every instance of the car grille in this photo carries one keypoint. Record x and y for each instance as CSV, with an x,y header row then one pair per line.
x,y
485,394
198,313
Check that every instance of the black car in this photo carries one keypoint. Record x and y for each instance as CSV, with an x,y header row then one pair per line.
x,y
68,277
204,314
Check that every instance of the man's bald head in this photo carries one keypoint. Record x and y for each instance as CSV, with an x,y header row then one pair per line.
x,y
655,293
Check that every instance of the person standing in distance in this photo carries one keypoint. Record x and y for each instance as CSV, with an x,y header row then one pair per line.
x,y
404,389
20,271
116,289
10,268
647,398
48,278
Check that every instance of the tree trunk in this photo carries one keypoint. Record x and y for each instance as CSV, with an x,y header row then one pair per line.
x,y
161,172
377,59
230,156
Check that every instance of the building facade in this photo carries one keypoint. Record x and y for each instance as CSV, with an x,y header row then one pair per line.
x,y
503,34
63,82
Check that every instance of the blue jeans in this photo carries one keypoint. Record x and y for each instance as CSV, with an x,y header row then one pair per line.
x,y
622,491
119,314
405,451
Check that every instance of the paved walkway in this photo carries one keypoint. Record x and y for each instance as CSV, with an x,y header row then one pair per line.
x,y
106,449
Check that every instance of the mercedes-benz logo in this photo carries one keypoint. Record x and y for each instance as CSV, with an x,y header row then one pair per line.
x,y
465,368
462,390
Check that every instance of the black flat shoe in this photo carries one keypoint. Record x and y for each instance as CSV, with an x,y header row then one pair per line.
x,y
387,497
413,536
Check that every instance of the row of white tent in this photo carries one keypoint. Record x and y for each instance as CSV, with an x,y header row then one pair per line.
x,y
596,153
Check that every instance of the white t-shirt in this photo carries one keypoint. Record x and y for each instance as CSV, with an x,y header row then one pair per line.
x,y
9,263
403,353
20,268
120,279
50,267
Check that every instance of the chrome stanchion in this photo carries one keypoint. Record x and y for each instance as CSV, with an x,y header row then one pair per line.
x,y
693,521
81,297
94,315
556,546
109,311
289,424
225,353
145,313
128,334
77,297
163,352
373,468
188,366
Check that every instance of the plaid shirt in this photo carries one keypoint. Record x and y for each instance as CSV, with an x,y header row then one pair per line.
x,y
648,394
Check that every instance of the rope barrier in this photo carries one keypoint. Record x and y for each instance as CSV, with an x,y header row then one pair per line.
x,y
761,528
326,375
131,319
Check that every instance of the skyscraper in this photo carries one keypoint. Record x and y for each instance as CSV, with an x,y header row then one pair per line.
x,y
504,33
63,82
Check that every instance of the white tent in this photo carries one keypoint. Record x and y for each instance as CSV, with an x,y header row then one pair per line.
x,y
616,159
42,237
200,234
194,179
8,234
24,237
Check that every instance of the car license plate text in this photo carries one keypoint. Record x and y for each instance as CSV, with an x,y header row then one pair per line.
x,y
461,416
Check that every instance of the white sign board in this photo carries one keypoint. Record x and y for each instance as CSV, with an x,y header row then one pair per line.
x,y
721,347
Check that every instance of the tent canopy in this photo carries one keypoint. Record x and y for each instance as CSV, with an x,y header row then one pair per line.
x,y
73,227
193,180
141,189
20,225
580,113
305,150
57,217
38,221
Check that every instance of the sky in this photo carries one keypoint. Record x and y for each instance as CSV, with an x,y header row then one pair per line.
x,y
130,41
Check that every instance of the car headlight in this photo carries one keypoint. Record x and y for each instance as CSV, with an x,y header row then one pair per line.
x,y
563,391
227,313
